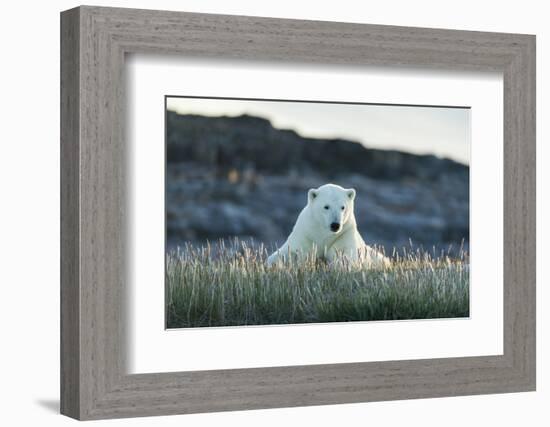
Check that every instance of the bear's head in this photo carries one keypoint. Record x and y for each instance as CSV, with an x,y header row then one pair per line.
x,y
331,206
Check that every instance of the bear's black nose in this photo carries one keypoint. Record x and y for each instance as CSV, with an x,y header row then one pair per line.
x,y
335,226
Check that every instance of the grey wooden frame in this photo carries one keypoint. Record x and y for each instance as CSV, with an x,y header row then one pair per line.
x,y
94,41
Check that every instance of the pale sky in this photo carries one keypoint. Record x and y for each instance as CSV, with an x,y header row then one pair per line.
x,y
444,132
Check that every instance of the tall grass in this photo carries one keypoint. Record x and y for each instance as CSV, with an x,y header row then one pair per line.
x,y
230,285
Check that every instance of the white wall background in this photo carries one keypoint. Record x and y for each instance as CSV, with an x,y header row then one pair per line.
x,y
29,212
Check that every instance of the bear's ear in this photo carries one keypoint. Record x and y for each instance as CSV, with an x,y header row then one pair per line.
x,y
311,195
351,193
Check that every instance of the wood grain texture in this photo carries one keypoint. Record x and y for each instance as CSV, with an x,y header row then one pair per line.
x,y
94,268
70,259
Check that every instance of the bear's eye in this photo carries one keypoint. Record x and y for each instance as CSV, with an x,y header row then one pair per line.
x,y
343,207
326,207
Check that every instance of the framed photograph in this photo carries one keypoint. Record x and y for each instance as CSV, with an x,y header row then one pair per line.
x,y
345,211
257,233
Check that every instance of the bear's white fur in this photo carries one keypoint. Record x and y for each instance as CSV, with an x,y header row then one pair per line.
x,y
326,228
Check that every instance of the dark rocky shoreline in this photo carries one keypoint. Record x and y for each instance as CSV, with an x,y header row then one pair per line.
x,y
241,177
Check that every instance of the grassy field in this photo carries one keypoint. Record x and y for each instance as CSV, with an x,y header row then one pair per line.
x,y
231,285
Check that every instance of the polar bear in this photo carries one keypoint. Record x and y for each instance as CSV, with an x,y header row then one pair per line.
x,y
326,229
